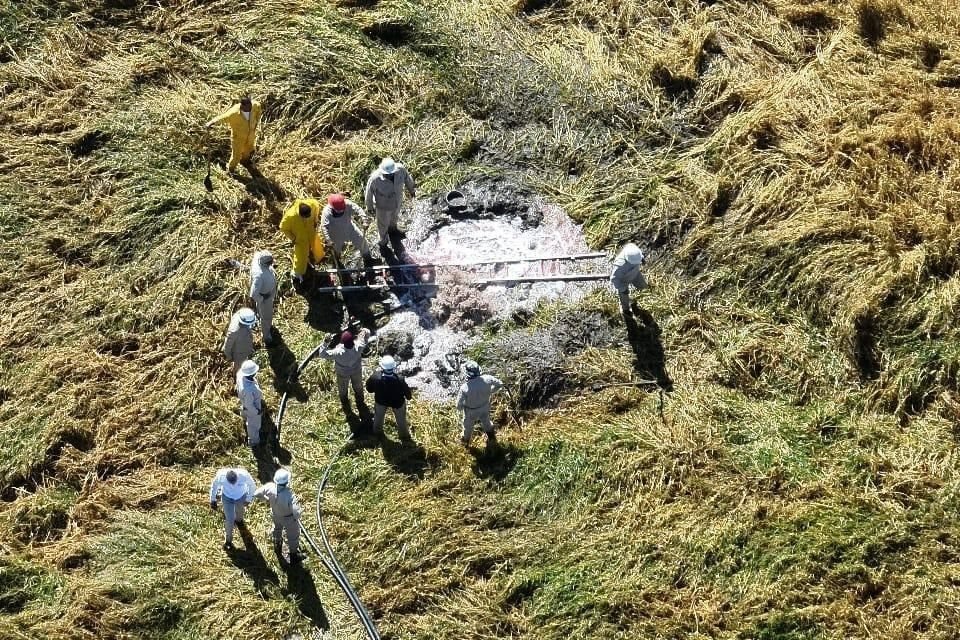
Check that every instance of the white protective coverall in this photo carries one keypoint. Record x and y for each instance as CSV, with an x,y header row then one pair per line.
x,y
251,407
263,290
285,510
348,365
235,497
238,344
623,275
339,230
474,401
383,196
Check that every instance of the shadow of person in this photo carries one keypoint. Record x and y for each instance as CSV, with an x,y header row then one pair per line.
x,y
495,462
251,562
643,333
284,364
266,464
360,425
301,586
259,184
408,458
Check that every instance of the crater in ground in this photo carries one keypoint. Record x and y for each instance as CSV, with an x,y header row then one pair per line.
x,y
441,314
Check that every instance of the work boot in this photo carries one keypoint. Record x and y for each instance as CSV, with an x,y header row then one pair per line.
x,y
228,546
295,558
240,523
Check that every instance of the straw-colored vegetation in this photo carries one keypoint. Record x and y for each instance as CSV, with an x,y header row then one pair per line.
x,y
792,166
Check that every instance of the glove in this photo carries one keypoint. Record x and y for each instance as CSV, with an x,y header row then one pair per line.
x,y
213,506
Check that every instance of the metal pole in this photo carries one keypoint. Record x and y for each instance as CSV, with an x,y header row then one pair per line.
x,y
435,265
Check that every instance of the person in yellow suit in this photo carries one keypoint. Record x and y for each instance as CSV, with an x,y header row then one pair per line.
x,y
299,224
243,120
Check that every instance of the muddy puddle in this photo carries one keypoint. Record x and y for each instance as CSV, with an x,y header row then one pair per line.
x,y
435,326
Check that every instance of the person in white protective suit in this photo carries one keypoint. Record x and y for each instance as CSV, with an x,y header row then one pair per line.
x,y
348,366
263,291
238,343
235,488
383,196
285,511
251,401
474,402
626,272
338,223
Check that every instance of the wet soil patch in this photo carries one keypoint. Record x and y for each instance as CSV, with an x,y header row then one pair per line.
x,y
534,361
433,328
486,199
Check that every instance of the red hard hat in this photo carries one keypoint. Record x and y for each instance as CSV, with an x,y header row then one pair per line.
x,y
337,201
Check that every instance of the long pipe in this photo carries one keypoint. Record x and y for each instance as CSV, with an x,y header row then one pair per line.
x,y
576,277
434,265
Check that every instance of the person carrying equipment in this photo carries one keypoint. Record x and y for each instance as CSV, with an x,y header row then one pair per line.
x,y
251,401
238,343
626,272
235,489
348,365
263,291
285,510
243,119
474,402
389,390
299,224
339,228
383,196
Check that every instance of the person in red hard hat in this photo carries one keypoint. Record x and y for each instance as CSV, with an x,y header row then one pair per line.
x,y
339,227
348,366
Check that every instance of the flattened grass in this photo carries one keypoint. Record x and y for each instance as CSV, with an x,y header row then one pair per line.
x,y
789,169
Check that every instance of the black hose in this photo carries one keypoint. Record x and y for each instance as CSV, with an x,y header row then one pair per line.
x,y
361,610
283,399
329,559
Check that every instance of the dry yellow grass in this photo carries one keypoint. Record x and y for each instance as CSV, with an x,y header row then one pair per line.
x,y
791,166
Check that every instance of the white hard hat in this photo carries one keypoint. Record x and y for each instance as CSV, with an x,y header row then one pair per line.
x,y
387,363
632,253
249,368
472,367
247,317
387,165
266,258
282,476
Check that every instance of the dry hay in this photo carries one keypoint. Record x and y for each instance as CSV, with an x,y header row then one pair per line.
x,y
794,163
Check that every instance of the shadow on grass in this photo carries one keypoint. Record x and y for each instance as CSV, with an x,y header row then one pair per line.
x,y
643,333
267,465
301,585
496,462
259,185
409,459
251,562
360,422
283,363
